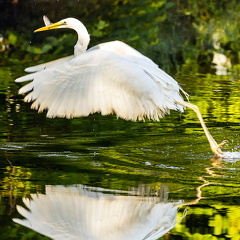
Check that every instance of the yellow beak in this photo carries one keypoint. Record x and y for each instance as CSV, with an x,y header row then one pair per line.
x,y
51,26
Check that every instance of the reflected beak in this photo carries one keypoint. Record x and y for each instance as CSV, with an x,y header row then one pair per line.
x,y
51,26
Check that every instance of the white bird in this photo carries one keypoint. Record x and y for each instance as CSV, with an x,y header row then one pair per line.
x,y
80,212
108,78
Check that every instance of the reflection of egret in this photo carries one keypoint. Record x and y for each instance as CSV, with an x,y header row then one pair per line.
x,y
78,212
109,78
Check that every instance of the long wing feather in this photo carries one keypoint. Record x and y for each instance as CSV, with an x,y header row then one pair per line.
x,y
53,63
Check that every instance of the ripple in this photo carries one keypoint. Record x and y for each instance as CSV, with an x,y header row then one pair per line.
x,y
57,154
162,165
10,147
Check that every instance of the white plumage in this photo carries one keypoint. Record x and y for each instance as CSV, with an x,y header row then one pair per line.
x,y
77,212
110,78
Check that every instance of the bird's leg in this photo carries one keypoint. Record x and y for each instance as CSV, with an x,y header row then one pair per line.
x,y
213,144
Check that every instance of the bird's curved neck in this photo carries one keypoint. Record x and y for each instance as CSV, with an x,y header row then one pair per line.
x,y
83,39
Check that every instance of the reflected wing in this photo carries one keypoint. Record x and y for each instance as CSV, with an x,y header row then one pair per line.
x,y
77,213
99,80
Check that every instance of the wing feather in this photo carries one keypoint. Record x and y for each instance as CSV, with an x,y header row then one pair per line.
x,y
50,64
107,79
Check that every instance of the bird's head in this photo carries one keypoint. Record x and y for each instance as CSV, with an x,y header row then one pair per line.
x,y
73,23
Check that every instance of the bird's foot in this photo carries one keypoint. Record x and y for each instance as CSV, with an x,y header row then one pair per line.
x,y
217,149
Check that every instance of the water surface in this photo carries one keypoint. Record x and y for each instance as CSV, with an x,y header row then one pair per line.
x,y
116,155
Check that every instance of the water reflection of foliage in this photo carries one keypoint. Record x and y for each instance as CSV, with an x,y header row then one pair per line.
x,y
216,96
210,222
14,184
15,181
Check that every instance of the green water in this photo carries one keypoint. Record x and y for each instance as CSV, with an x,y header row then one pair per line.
x,y
109,153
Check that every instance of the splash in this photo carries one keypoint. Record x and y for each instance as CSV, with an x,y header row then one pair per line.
x,y
231,155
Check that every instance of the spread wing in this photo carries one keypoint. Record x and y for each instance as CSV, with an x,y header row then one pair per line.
x,y
109,78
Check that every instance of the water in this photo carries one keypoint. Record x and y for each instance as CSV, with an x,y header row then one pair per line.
x,y
104,158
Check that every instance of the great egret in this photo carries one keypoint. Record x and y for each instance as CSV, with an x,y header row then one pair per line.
x,y
108,78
